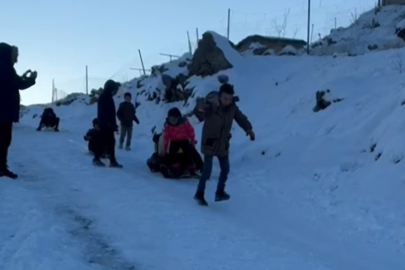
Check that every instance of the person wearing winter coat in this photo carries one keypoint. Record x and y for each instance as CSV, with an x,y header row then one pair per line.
x,y
126,115
107,122
10,85
179,134
93,136
49,119
174,165
218,111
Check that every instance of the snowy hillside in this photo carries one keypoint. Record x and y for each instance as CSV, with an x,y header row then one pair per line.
x,y
316,190
377,29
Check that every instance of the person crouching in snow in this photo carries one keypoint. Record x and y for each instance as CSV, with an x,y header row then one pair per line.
x,y
218,111
93,136
49,120
178,135
126,115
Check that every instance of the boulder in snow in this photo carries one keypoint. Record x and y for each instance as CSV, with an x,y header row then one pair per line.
x,y
167,80
212,55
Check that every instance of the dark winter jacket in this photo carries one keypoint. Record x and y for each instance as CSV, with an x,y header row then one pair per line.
x,y
48,114
10,84
126,114
216,133
106,106
94,138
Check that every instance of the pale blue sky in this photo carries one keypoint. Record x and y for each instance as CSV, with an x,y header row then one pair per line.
x,y
59,38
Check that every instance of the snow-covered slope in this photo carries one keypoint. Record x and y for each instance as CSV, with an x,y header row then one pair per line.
x,y
342,165
374,30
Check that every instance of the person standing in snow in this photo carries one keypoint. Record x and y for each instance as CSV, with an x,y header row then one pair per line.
x,y
10,86
107,122
126,115
218,111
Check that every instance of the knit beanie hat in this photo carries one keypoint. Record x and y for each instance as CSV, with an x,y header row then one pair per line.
x,y
174,112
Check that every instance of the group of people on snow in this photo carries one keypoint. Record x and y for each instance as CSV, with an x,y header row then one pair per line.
x,y
175,153
175,150
101,138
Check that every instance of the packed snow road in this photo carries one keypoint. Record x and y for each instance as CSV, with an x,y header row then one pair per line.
x,y
63,213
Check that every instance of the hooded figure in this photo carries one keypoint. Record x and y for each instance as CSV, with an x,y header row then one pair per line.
x,y
10,84
106,107
107,122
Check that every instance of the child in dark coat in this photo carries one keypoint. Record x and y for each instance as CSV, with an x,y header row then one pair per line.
x,y
93,136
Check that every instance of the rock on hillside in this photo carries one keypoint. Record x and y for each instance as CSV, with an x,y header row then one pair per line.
x,y
378,29
214,53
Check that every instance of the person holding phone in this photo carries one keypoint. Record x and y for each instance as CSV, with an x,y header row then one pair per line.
x,y
10,85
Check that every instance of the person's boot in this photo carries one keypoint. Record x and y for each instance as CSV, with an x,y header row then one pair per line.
x,y
98,162
221,196
5,172
39,129
56,129
199,198
128,148
115,164
120,146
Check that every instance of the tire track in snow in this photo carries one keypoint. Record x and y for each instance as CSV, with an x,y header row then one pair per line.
x,y
97,249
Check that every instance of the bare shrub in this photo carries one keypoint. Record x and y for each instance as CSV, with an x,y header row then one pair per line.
x,y
280,29
397,64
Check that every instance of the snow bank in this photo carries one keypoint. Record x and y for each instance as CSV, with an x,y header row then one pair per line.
x,y
376,29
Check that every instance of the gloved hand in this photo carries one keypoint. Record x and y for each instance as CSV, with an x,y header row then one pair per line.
x,y
251,134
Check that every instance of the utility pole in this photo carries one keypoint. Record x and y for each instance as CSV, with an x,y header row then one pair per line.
x,y
53,91
196,33
189,43
143,67
229,23
309,25
87,81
